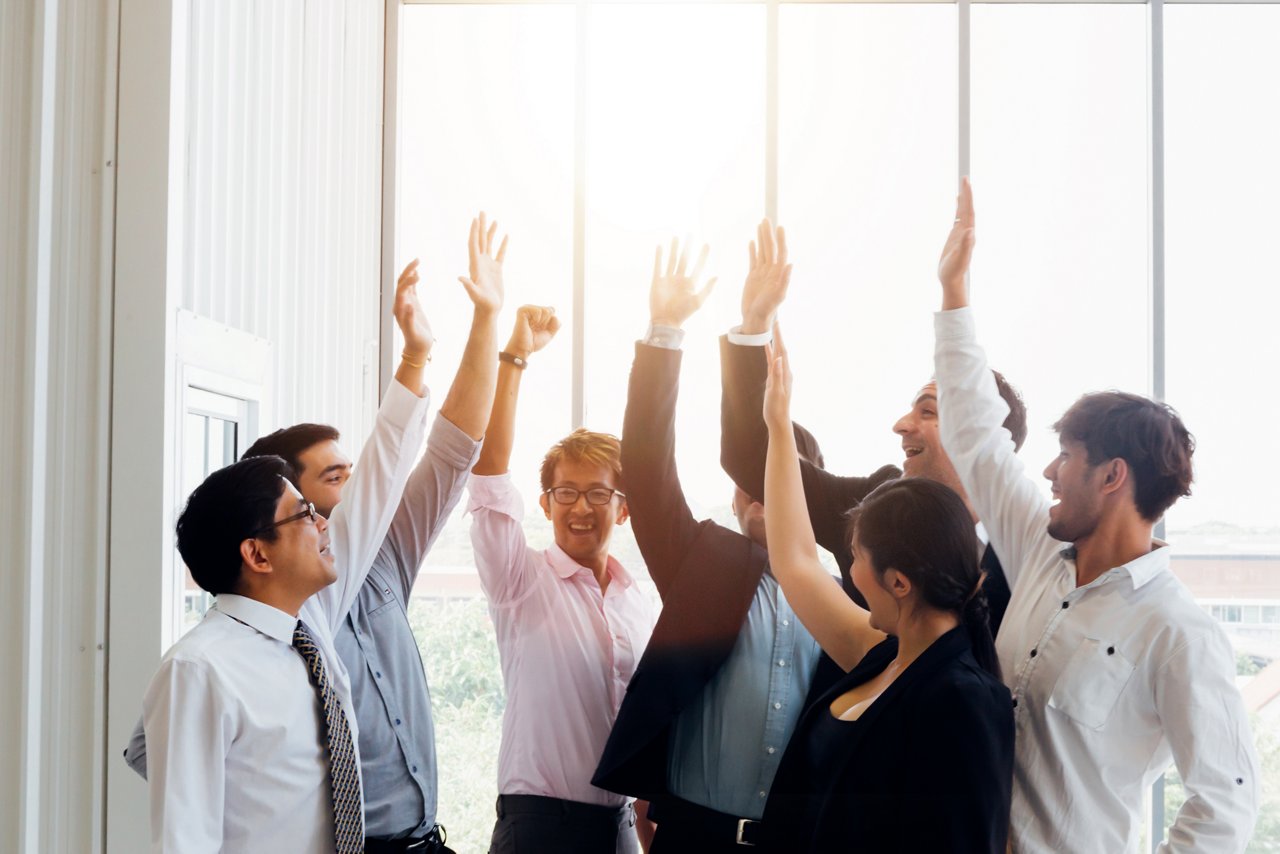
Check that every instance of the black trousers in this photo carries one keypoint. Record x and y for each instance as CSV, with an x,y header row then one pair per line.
x,y
687,828
532,824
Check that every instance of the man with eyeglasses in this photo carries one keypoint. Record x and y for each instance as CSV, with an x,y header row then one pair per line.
x,y
375,642
571,624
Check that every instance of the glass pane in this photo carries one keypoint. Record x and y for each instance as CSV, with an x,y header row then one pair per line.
x,y
1222,179
866,177
1059,164
209,443
675,147
487,123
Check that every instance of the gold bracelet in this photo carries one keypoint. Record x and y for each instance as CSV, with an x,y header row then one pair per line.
x,y
404,357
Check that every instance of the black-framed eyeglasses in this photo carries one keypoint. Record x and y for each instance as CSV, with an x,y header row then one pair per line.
x,y
598,496
309,514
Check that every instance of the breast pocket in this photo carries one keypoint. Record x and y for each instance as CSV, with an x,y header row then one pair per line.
x,y
1091,683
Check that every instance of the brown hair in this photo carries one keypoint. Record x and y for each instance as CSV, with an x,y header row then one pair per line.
x,y
1148,435
582,445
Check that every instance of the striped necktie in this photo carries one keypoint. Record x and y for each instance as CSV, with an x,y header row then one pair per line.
x,y
344,771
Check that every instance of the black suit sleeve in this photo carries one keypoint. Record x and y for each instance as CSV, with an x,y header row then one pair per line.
x,y
663,524
744,442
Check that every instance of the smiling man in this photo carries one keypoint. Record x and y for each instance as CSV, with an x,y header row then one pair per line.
x,y
1115,670
249,722
571,624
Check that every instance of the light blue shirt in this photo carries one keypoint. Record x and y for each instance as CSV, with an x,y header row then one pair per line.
x,y
726,747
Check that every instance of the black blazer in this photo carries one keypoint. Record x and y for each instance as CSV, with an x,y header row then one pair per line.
x,y
927,768
744,441
706,575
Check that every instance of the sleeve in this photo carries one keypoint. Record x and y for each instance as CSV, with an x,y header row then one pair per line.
x,y
432,492
1208,731
660,516
971,422
189,731
504,560
744,444
135,754
359,524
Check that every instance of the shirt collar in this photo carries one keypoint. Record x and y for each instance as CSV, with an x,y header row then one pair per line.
x,y
566,567
984,539
272,622
1141,569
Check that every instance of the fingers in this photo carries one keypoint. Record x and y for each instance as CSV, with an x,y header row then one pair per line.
x,y
684,257
766,241
488,240
502,249
473,242
701,262
482,233
782,245
751,250
553,325
657,262
671,259
410,269
779,347
964,203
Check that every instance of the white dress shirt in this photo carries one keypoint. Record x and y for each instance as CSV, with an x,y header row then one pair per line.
x,y
236,744
567,651
1112,680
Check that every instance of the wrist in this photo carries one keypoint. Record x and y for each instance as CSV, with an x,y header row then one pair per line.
x,y
517,350
954,297
753,324
670,323
486,313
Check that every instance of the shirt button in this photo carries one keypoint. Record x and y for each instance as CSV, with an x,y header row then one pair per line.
x,y
415,769
777,705
397,722
786,622
769,750
1064,606
764,794
1111,650
1033,653
781,663
1015,702
378,674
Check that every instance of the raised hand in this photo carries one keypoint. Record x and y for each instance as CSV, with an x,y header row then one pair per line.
x,y
535,326
410,317
484,285
954,263
767,278
777,389
674,294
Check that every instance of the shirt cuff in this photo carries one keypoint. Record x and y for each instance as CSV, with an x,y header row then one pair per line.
x,y
496,493
666,337
402,407
743,339
448,441
954,324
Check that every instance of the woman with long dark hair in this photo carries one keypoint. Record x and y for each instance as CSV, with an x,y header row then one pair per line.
x,y
913,750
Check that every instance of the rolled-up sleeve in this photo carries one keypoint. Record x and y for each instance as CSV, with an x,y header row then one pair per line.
x,y
503,558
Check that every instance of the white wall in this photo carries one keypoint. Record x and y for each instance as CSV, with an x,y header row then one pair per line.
x,y
55,185
248,191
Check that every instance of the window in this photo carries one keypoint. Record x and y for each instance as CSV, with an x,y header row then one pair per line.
x,y
851,121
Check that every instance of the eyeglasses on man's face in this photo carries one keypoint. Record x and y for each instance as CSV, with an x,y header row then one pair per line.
x,y
309,514
598,496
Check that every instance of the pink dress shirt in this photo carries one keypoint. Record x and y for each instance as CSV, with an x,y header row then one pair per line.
x,y
567,651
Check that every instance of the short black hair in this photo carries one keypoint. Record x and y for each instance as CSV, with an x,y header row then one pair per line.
x,y
228,508
1147,434
289,443
1016,422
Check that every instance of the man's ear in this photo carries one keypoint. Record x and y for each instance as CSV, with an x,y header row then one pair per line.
x,y
1115,475
545,500
624,513
253,558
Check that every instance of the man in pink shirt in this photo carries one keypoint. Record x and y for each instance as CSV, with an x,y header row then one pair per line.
x,y
571,624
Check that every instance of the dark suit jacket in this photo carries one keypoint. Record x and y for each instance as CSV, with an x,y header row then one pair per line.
x,y
927,768
706,575
744,441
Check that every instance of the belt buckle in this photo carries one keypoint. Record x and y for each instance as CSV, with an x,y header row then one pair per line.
x,y
742,826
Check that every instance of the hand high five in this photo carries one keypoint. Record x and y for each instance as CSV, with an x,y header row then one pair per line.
x,y
777,389
484,286
767,278
674,294
953,266
410,317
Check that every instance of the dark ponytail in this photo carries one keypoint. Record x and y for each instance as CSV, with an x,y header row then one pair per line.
x,y
976,617
923,529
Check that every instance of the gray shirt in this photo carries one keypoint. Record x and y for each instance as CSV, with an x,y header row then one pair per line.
x,y
388,684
